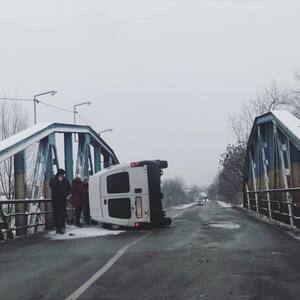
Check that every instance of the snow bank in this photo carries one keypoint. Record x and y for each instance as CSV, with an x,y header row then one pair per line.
x,y
183,206
224,204
74,232
225,225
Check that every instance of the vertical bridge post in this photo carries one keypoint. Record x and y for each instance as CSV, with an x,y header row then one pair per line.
x,y
68,155
20,191
97,158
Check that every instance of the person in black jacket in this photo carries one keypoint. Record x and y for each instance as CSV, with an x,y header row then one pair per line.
x,y
60,187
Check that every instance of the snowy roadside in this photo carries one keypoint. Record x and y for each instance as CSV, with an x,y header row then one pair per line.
x,y
224,204
290,230
224,225
176,211
183,206
73,232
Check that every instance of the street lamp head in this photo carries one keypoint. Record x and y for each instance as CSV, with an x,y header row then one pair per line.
x,y
52,93
106,130
83,103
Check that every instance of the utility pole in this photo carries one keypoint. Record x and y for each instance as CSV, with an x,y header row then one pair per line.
x,y
35,101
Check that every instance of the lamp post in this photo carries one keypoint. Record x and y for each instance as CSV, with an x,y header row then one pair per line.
x,y
35,101
79,104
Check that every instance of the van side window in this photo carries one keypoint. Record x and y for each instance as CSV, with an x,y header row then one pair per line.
x,y
118,183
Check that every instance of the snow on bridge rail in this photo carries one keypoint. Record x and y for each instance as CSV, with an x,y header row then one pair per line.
x,y
29,136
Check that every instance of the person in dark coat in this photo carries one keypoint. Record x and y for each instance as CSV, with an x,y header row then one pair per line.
x,y
86,203
77,196
60,187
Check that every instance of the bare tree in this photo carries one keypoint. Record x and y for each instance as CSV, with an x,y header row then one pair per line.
x,y
174,192
231,173
268,99
12,120
228,185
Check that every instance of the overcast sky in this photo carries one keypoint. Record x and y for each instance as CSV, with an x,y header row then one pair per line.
x,y
164,74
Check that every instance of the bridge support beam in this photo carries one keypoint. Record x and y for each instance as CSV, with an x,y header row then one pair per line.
x,y
20,191
105,160
68,155
110,161
97,158
87,155
82,165
47,190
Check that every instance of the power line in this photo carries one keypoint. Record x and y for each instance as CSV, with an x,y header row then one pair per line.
x,y
54,106
38,101
46,104
82,119
16,99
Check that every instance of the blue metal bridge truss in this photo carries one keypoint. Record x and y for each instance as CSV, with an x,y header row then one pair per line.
x,y
93,153
272,167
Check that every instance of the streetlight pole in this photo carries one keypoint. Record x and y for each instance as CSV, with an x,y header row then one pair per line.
x,y
79,104
35,101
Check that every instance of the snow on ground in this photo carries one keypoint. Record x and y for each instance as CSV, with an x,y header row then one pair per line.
x,y
224,204
225,225
183,206
74,232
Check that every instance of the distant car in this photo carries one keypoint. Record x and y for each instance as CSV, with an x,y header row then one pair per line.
x,y
200,202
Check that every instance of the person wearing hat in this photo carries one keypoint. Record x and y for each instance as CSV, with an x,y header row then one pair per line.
x,y
60,187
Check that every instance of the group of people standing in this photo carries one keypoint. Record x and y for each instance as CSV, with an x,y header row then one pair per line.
x,y
78,193
80,200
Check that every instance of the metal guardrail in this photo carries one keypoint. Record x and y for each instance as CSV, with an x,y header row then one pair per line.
x,y
252,202
7,217
274,190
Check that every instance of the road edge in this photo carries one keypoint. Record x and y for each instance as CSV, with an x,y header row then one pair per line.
x,y
290,230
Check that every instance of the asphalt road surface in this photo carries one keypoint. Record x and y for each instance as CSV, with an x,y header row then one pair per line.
x,y
209,253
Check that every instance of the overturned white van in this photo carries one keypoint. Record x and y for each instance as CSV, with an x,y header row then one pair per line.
x,y
129,195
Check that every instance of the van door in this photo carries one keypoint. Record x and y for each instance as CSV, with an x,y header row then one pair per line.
x,y
140,191
116,197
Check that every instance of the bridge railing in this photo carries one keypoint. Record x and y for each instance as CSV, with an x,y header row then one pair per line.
x,y
9,213
275,203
